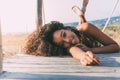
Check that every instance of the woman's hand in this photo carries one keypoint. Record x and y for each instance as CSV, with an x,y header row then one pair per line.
x,y
85,58
88,59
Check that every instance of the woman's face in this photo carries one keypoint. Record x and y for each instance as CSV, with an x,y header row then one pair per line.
x,y
65,38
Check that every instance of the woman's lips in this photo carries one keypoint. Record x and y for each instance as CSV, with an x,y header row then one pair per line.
x,y
74,41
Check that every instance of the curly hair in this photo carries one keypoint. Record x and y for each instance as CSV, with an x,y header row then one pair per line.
x,y
40,42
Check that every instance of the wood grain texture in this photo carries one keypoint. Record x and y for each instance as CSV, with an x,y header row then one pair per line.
x,y
27,67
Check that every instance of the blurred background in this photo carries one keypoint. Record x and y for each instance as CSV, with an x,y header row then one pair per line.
x,y
18,18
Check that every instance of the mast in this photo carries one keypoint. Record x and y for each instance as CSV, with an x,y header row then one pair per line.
x,y
39,13
0,49
114,7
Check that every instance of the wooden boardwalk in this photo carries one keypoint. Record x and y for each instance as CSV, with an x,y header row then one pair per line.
x,y
27,67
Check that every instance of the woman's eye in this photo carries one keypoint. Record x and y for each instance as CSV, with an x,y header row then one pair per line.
x,y
64,34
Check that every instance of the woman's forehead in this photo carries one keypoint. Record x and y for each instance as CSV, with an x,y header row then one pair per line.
x,y
57,33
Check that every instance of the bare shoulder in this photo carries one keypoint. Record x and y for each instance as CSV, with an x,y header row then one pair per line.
x,y
95,32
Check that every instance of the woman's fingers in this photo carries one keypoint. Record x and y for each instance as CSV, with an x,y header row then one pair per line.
x,y
89,53
83,62
97,60
89,59
94,58
86,60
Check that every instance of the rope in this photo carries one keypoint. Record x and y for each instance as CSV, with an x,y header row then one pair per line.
x,y
110,15
43,12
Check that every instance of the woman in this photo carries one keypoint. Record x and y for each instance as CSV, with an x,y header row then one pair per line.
x,y
55,39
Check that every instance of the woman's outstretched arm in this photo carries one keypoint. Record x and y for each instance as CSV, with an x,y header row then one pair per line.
x,y
85,58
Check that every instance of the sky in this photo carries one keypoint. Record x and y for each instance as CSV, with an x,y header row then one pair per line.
x,y
20,15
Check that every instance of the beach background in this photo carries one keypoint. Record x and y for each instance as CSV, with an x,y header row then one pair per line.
x,y
13,43
18,19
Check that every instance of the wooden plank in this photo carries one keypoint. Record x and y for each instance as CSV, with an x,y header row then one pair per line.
x,y
59,65
83,76
62,70
107,60
55,68
71,66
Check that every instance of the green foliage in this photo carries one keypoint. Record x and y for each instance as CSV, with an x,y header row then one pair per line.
x,y
113,32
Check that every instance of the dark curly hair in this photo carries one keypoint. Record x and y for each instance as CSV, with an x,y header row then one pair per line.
x,y
40,42
48,30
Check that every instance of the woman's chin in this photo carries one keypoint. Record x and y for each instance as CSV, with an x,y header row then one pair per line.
x,y
75,41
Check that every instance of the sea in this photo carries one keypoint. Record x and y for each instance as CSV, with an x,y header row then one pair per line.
x,y
100,22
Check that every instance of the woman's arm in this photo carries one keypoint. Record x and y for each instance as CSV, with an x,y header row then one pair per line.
x,y
85,58
109,45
